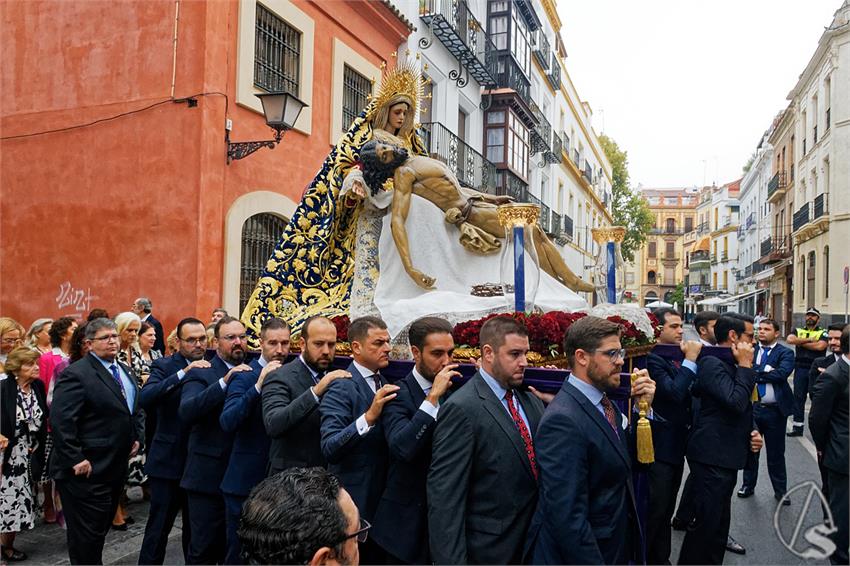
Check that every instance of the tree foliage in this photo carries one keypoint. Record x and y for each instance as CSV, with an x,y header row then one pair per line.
x,y
677,297
629,207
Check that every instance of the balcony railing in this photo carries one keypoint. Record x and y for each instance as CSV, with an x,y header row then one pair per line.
x,y
774,249
452,22
713,259
554,156
508,184
556,224
470,167
576,158
792,172
757,267
568,227
703,228
587,172
541,48
541,134
565,142
819,208
554,75
751,219
801,217
509,75
776,183
724,256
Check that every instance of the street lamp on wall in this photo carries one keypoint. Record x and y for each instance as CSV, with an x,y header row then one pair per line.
x,y
281,110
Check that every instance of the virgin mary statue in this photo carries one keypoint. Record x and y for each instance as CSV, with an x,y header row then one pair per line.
x,y
311,269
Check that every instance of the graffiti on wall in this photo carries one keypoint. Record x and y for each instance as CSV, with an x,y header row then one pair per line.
x,y
74,298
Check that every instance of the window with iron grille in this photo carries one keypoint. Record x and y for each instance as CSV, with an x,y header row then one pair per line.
x,y
260,234
355,89
277,53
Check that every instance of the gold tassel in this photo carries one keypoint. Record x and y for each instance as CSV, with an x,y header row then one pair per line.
x,y
755,396
645,449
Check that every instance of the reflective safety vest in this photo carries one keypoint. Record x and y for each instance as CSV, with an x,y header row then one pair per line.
x,y
804,357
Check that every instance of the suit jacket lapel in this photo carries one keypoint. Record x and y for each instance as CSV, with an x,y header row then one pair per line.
x,y
362,387
107,379
417,395
503,419
531,411
600,421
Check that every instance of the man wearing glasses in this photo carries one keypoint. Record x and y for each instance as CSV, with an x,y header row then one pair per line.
x,y
721,437
167,452
586,513
97,426
201,401
313,520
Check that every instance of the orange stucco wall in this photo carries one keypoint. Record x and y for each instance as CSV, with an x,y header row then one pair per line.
x,y
96,216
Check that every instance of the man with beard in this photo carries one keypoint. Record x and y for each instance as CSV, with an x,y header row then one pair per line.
x,y
810,342
291,396
201,401
473,212
167,453
721,437
401,521
352,435
672,411
704,325
587,512
242,416
482,484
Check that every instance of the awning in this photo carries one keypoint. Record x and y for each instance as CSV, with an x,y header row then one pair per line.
x,y
766,274
736,298
712,301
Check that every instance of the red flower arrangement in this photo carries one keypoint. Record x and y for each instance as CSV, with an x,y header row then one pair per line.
x,y
342,323
546,331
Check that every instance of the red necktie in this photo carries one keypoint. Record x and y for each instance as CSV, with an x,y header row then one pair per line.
x,y
610,413
523,431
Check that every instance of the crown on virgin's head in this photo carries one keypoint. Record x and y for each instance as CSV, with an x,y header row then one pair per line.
x,y
404,80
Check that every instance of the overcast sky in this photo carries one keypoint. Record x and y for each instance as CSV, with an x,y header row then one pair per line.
x,y
688,87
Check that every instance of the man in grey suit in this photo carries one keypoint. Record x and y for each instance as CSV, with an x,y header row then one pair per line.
x,y
291,395
482,484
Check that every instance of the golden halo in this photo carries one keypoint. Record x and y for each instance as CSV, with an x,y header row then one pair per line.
x,y
404,80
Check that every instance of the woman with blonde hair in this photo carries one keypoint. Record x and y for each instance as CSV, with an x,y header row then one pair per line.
x,y
38,336
129,324
11,336
24,418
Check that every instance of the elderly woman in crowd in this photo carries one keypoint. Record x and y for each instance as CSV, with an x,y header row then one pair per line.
x,y
129,324
147,337
38,336
24,418
11,336
61,332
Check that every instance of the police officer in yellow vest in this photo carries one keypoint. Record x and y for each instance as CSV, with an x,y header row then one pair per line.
x,y
810,343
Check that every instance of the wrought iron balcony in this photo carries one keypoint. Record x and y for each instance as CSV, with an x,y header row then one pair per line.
x,y
587,172
452,22
541,134
703,228
554,75
757,267
541,48
776,183
713,259
819,208
774,249
554,156
567,229
509,75
510,185
470,167
576,158
801,217
565,142
724,256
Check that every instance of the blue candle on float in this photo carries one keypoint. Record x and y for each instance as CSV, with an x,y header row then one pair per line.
x,y
519,269
611,279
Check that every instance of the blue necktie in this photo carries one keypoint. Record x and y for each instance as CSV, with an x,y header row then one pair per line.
x,y
762,387
117,377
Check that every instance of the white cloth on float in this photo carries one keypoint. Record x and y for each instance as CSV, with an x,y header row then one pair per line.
x,y
436,251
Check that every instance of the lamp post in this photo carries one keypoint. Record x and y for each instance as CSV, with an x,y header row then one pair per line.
x,y
281,110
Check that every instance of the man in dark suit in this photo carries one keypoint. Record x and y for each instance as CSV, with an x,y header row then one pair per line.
x,y
818,367
242,416
201,401
291,395
143,308
166,456
401,521
672,422
774,364
828,421
720,439
587,512
352,436
97,426
482,484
